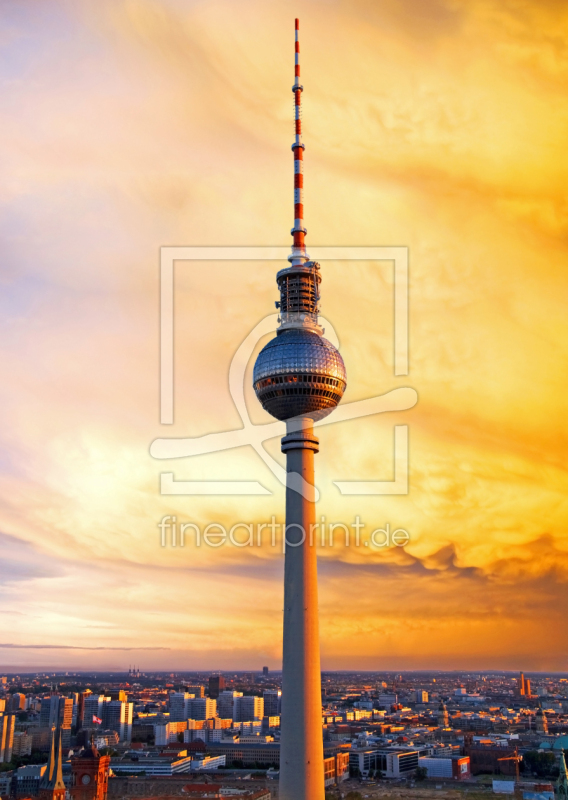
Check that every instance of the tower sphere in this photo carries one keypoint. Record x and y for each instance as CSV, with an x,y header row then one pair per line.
x,y
299,373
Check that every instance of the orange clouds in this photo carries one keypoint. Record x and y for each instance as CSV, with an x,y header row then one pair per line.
x,y
440,126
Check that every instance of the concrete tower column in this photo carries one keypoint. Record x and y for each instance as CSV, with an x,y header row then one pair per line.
x,y
301,749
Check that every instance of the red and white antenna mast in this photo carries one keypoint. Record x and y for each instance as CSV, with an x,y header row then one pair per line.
x,y
299,255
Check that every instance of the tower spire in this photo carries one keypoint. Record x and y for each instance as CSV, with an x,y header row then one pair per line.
x,y
299,255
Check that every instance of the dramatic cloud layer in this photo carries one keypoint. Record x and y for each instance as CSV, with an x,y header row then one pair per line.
x,y
131,124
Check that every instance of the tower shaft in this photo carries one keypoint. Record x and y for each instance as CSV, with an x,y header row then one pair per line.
x,y
299,376
301,748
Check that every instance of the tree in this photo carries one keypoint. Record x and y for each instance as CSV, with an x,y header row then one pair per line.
x,y
421,773
541,764
108,751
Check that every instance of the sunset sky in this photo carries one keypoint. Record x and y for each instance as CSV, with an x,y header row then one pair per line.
x,y
439,125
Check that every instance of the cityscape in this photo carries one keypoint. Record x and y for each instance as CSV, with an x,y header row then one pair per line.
x,y
416,734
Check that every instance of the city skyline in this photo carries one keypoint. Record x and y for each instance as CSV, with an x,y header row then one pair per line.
x,y
173,127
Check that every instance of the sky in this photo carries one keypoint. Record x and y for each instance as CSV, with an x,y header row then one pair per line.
x,y
129,125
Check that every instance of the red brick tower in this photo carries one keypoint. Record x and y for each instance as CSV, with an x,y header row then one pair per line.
x,y
90,775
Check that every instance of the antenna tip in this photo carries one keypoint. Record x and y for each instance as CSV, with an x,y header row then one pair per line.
x,y
297,21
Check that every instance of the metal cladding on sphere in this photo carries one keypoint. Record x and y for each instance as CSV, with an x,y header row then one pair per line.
x,y
299,373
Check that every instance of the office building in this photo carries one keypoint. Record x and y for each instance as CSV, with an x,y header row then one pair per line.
x,y
27,780
335,768
49,711
117,716
249,708
363,762
7,727
81,706
168,733
179,707
456,767
93,707
388,700
17,703
216,686
65,712
201,708
272,700
225,704
197,690
22,744
395,762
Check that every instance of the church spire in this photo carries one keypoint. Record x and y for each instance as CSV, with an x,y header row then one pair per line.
x,y
46,777
52,786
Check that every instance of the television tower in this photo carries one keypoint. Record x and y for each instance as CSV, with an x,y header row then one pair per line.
x,y
299,377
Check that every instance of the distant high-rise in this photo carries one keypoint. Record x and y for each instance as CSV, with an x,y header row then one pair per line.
x,y
196,690
7,727
202,708
272,700
81,706
93,707
300,377
226,703
117,716
521,688
265,671
248,709
216,686
18,702
22,744
49,711
57,711
179,706
118,694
